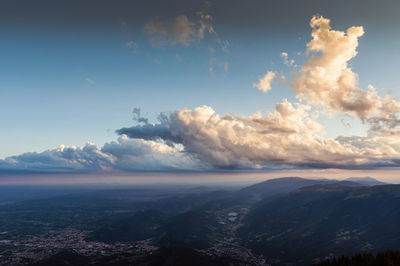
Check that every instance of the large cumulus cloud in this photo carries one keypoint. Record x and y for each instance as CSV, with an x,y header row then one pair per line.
x,y
327,80
139,154
288,136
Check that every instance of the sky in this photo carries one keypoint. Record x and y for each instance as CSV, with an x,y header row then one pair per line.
x,y
127,87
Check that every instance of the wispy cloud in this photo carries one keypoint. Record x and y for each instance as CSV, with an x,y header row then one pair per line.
x,y
89,80
185,30
181,30
286,60
226,66
131,45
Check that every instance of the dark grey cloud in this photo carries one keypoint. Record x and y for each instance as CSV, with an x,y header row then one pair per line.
x,y
150,132
138,117
145,130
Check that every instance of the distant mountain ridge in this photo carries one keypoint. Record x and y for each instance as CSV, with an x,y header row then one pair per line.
x,y
281,185
366,181
339,218
277,186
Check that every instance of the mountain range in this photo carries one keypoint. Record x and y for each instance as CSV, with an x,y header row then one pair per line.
x,y
285,220
282,221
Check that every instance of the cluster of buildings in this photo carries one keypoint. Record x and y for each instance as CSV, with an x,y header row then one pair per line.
x,y
36,248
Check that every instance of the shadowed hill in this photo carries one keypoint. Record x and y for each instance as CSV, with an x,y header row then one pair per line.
x,y
276,186
366,181
339,218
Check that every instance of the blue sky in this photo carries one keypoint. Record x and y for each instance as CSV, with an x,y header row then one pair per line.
x,y
68,75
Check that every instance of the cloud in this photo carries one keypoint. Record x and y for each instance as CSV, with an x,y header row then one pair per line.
x,y
184,30
144,155
91,81
326,79
286,60
199,139
226,66
211,60
379,151
145,130
180,30
125,154
287,136
60,159
131,45
290,136
149,132
138,117
264,84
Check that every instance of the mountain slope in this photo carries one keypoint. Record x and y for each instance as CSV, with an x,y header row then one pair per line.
x,y
340,218
276,186
366,181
